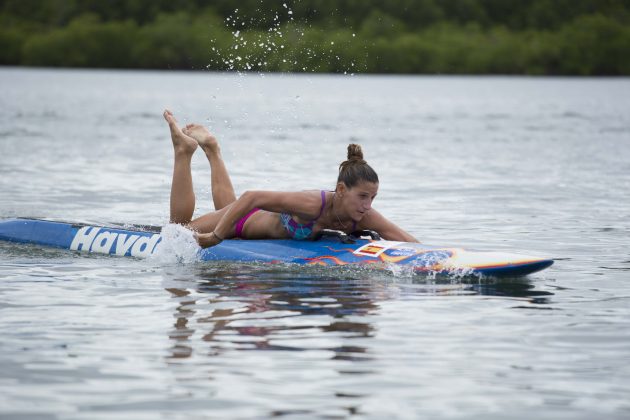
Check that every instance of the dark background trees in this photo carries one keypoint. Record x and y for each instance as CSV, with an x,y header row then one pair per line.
x,y
574,37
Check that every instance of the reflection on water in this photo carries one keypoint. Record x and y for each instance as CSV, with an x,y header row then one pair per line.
x,y
517,288
234,310
252,308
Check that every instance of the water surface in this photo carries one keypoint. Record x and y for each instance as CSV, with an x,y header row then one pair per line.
x,y
536,165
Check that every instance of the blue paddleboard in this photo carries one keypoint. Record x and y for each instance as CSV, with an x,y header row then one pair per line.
x,y
143,241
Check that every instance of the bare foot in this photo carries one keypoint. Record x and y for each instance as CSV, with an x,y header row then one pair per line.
x,y
181,142
205,139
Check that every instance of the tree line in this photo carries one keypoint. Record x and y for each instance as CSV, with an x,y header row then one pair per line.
x,y
555,37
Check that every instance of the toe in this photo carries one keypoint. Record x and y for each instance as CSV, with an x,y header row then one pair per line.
x,y
169,117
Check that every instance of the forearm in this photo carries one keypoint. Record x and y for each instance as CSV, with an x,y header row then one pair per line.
x,y
236,212
409,238
398,235
387,229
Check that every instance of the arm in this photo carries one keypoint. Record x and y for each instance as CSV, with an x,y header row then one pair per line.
x,y
388,230
302,204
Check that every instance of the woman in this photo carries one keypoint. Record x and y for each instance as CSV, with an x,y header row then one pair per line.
x,y
270,214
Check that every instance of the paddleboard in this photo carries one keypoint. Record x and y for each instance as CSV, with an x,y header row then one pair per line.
x,y
144,241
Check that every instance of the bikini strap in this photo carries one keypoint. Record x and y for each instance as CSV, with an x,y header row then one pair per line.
x,y
321,210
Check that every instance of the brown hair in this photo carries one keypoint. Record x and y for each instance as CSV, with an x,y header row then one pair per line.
x,y
355,169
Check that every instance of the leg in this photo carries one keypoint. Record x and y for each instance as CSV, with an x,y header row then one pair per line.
x,y
222,189
207,222
204,225
182,194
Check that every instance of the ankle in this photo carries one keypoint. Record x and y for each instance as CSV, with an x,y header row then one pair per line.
x,y
183,152
212,150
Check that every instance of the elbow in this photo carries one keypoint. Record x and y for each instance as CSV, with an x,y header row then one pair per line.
x,y
250,198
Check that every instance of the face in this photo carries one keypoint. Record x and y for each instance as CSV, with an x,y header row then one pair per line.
x,y
357,201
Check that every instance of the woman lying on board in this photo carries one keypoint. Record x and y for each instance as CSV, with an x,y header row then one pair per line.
x,y
272,214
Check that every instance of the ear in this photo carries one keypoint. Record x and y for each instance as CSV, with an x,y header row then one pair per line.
x,y
341,188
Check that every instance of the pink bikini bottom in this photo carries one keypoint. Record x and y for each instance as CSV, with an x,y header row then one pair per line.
x,y
241,223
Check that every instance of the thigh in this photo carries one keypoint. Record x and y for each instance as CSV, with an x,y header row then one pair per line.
x,y
207,222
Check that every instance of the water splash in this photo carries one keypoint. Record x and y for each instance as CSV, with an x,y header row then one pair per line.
x,y
177,246
278,43
401,271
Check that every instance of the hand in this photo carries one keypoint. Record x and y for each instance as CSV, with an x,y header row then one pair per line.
x,y
206,240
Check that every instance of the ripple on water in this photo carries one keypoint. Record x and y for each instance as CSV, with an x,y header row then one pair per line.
x,y
492,163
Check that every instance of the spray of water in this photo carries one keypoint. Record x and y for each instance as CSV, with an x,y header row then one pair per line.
x,y
177,246
286,45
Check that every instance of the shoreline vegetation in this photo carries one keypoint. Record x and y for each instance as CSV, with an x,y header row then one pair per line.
x,y
527,37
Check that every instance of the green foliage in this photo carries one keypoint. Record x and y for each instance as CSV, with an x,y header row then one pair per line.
x,y
177,41
577,37
11,41
85,42
594,45
380,25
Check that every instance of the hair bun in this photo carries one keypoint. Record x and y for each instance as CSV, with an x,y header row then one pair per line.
x,y
355,169
355,153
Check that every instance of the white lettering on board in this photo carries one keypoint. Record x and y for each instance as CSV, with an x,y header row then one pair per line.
x,y
90,238
123,243
82,240
143,247
103,242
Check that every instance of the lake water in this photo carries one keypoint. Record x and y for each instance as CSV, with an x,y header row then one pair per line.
x,y
533,165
